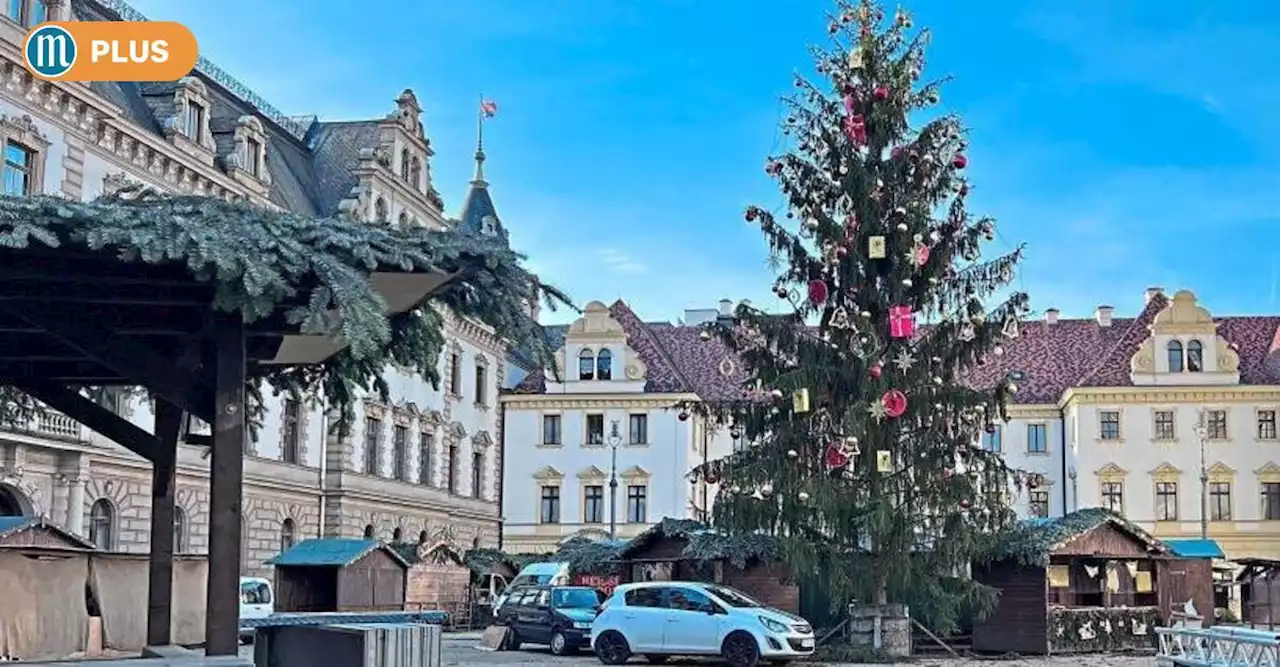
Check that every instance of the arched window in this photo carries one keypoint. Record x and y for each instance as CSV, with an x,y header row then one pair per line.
x,y
1175,356
604,365
287,535
404,219
405,166
415,174
1195,356
586,365
380,210
102,520
179,530
475,543
368,532
422,537
397,534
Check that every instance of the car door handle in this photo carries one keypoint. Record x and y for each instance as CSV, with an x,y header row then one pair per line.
x,y
628,615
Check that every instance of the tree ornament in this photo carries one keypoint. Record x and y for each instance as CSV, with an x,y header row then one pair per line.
x,y
855,58
877,411
803,496
766,490
1010,329
840,319
921,255
817,292
776,393
893,403
998,351
800,401
960,161
876,370
967,332
712,477
850,446
906,282
884,461
881,93
904,361
835,457
902,322
683,416
751,213
792,454
876,247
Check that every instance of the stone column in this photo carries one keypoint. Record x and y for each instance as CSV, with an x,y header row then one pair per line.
x,y
59,10
75,505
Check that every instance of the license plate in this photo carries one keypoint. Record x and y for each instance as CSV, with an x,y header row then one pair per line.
x,y
806,643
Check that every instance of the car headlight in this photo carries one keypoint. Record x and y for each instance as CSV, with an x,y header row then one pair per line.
x,y
772,625
582,625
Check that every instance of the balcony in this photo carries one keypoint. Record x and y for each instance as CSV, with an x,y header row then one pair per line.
x,y
50,424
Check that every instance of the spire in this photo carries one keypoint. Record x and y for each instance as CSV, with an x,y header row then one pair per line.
x,y
479,216
478,180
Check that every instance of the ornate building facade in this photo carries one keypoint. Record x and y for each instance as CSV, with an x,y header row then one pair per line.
x,y
427,464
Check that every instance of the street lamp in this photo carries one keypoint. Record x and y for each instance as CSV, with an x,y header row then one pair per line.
x,y
615,439
1201,432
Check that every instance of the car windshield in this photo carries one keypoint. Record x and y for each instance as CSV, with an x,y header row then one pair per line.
x,y
731,597
574,598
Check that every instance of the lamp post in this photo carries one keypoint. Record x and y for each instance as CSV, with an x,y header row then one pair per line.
x,y
615,439
1201,431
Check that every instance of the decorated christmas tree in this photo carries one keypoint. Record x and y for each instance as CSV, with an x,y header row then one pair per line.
x,y
862,413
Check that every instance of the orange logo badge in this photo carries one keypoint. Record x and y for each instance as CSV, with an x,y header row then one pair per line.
x,y
111,51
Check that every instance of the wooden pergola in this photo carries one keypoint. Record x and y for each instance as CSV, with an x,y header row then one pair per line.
x,y
72,318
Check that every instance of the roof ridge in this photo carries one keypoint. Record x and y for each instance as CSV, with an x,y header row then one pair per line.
x,y
1155,305
652,338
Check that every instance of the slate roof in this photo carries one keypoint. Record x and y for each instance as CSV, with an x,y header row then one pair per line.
x,y
1053,357
331,552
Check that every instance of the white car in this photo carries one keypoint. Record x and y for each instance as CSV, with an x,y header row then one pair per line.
x,y
658,619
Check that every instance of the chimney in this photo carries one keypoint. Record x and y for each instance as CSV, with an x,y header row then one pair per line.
x,y
1051,316
1104,315
726,307
1152,292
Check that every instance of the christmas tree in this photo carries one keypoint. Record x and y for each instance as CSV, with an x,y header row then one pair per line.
x,y
865,457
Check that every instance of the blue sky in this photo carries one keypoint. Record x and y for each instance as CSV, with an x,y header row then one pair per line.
x,y
1127,148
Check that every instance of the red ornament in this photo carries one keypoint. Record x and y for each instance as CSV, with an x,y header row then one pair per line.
x,y
683,416
751,213
964,504
876,370
894,402
960,161
922,254
835,457
817,292
882,92
854,124
902,322
896,152
850,226
842,252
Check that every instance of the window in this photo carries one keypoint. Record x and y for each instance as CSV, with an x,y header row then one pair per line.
x,y
1113,496
1166,501
14,10
102,520
1109,424
1039,502
637,504
397,535
688,599
482,389
400,452
253,159
1174,350
644,597
991,439
1266,424
451,472
404,164
403,220
586,365
1037,439
550,429
595,429
287,535
18,165
39,12
1195,356
1271,501
194,120
477,474
1216,425
372,445
1219,501
604,365
415,173
380,212
639,430
255,592
1164,425
368,532
426,452
455,374
290,446
550,510
593,504
179,530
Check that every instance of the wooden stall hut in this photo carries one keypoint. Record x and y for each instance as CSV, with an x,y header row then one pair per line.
x,y
340,574
686,550
44,572
1224,583
437,579
1085,582
1259,581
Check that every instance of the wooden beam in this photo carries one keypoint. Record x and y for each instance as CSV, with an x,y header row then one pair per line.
x,y
168,426
222,611
116,428
94,339
193,296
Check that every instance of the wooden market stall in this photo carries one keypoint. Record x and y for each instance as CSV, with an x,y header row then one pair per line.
x,y
686,550
340,574
1085,582
1259,581
437,579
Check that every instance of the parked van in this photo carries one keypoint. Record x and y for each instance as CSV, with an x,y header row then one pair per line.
x,y
257,600
535,574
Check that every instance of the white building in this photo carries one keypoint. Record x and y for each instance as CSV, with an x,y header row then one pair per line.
x,y
426,463
622,379
1109,412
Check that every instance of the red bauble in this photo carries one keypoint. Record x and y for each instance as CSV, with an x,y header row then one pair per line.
x,y
835,457
842,252
882,92
751,213
960,161
833,28
817,292
894,402
964,504
876,370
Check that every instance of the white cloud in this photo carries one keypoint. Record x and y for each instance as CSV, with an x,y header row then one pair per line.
x,y
619,262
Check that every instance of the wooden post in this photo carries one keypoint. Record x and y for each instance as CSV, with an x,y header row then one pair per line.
x,y
168,424
222,611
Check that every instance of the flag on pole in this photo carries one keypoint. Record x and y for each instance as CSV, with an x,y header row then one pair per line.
x,y
488,108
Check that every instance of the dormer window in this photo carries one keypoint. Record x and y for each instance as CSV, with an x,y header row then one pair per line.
x,y
586,365
1195,356
189,118
604,365
1174,349
252,156
194,120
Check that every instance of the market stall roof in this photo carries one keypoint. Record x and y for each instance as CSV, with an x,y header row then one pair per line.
x,y
331,552
1196,548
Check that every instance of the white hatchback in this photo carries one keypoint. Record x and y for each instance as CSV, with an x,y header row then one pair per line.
x,y
658,619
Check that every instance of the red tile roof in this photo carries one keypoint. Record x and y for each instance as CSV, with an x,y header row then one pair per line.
x,y
1053,357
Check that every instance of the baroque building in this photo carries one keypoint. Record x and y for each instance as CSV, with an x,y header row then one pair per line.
x,y
425,465
604,447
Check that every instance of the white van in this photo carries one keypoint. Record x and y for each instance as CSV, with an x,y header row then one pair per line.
x,y
535,574
257,600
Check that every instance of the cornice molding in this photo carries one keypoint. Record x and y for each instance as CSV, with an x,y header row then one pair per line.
x,y
1163,395
592,401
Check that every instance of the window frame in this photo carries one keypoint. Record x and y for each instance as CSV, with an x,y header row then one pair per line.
x,y
640,419
604,364
1038,498
1166,491
1043,430
1112,494
1112,434
1220,505
1195,356
400,452
1216,426
426,451
556,433
1159,421
637,503
587,372
549,504
1266,423
373,446
591,501
291,431
588,421
477,474
1270,492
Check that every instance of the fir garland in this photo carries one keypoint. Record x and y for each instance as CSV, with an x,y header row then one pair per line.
x,y
260,261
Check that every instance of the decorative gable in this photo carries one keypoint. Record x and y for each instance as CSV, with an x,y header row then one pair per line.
x,y
1184,348
548,474
1269,473
1166,472
1111,471
595,350
592,473
635,474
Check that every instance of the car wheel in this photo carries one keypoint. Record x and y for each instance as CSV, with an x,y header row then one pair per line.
x,y
657,659
612,648
512,641
560,643
740,650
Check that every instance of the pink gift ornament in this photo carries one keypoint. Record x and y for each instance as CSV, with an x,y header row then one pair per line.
x,y
902,322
